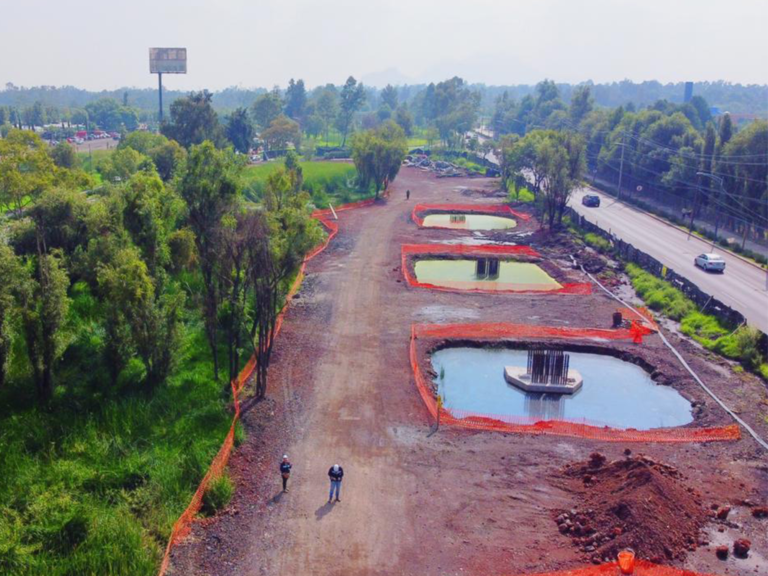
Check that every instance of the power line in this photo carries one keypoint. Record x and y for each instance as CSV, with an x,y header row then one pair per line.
x,y
725,206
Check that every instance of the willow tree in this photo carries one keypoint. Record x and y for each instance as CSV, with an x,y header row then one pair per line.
x,y
378,154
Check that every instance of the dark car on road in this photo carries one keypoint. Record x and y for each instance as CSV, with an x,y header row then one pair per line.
x,y
591,201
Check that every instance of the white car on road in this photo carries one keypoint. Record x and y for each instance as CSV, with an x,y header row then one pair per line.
x,y
710,262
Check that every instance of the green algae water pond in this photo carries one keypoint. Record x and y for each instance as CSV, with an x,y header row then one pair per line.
x,y
463,275
469,222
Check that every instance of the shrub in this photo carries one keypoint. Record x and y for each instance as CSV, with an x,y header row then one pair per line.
x,y
659,295
218,495
597,241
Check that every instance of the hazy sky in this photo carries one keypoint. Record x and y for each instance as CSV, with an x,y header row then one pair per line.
x,y
99,44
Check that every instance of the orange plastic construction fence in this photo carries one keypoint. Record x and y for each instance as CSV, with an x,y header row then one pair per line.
x,y
498,209
523,425
642,568
490,250
183,524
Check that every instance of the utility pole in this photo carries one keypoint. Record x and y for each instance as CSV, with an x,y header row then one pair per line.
x,y
717,210
621,164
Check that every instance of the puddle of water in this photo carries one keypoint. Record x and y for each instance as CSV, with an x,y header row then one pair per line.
x,y
615,393
462,275
469,221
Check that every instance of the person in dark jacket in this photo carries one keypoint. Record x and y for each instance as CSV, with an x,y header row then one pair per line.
x,y
336,473
407,194
285,471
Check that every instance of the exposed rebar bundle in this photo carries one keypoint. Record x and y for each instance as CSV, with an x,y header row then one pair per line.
x,y
548,366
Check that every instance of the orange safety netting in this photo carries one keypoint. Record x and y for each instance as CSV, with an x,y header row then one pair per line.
x,y
183,524
523,425
490,250
498,209
641,568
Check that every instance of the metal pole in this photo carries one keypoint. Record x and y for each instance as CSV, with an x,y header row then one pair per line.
x,y
717,211
160,92
621,165
693,211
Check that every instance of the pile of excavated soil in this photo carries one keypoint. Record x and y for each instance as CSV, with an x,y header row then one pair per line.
x,y
632,503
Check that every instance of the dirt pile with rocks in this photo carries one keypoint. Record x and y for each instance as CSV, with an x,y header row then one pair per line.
x,y
633,503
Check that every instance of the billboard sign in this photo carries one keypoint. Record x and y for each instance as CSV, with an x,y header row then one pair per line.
x,y
168,60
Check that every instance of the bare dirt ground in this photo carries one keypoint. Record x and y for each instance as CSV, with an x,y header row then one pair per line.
x,y
454,502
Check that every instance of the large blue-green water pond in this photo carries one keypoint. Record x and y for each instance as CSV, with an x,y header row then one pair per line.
x,y
615,393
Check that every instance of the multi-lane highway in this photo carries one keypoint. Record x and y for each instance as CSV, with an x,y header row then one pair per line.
x,y
743,286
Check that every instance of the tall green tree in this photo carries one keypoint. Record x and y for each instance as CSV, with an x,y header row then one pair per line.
x,y
378,154
64,155
12,272
267,108
581,104
26,169
295,100
327,108
274,256
151,319
562,155
240,130
389,96
193,121
44,306
209,186
110,115
281,132
351,100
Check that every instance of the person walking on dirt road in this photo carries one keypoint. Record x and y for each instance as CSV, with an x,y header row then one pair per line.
x,y
285,471
336,473
407,194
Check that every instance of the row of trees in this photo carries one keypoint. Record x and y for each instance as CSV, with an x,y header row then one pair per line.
x,y
675,151
104,113
152,252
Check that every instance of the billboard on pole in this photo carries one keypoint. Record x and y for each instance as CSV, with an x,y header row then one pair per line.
x,y
168,60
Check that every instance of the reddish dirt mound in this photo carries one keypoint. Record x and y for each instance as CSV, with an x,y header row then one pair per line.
x,y
633,503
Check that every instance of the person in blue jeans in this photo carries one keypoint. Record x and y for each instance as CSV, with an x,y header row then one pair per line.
x,y
336,473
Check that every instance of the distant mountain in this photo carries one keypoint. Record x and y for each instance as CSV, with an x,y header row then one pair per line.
x,y
389,76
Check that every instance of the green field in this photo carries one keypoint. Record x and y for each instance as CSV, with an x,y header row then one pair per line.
x,y
326,182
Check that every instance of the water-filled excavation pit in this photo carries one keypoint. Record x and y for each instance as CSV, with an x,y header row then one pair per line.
x,y
484,274
614,392
468,222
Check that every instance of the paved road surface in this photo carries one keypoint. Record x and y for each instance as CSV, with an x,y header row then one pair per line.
x,y
743,286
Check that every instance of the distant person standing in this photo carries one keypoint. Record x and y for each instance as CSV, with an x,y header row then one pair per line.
x,y
407,194
285,471
336,473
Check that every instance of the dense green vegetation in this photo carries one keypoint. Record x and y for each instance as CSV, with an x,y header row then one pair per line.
x,y
737,343
675,155
125,309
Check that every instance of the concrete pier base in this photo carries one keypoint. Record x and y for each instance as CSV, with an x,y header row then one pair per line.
x,y
516,375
